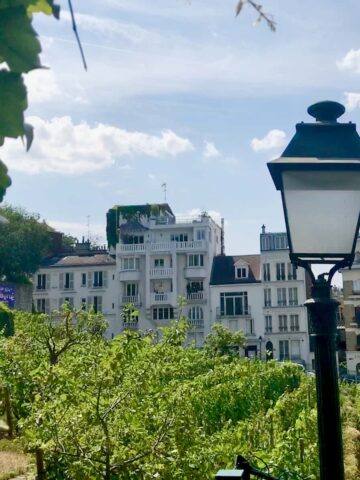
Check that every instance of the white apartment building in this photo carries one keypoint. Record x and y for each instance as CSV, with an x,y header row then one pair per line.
x,y
351,313
285,319
236,298
84,278
159,258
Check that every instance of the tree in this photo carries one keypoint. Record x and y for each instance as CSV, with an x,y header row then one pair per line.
x,y
224,342
23,243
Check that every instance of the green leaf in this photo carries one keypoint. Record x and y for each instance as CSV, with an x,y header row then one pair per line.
x,y
12,104
19,46
32,6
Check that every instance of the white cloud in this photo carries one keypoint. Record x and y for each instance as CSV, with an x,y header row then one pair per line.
x,y
351,61
60,146
273,139
352,100
210,151
42,86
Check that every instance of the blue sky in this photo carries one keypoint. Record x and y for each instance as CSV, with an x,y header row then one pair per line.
x,y
182,92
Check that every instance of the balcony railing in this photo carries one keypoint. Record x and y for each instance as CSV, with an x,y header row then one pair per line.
x,y
268,329
281,303
162,246
165,297
195,297
293,303
197,323
161,272
245,312
134,299
283,328
294,328
131,325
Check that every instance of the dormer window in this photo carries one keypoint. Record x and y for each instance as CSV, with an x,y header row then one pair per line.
x,y
241,272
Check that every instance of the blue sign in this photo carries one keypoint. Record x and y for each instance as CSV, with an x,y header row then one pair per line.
x,y
7,295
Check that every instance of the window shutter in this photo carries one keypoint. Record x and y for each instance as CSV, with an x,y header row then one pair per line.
x,y
89,302
48,278
47,305
90,276
105,278
71,281
61,281
61,301
54,304
99,304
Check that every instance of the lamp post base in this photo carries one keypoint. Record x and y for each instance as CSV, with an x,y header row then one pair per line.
x,y
322,310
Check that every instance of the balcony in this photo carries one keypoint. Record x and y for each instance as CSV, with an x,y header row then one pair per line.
x,y
131,325
133,299
129,275
198,297
245,312
166,298
162,272
196,323
195,272
131,248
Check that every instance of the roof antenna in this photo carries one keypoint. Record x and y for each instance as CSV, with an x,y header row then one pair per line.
x,y
88,227
165,190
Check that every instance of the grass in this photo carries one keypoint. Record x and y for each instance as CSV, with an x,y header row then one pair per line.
x,y
13,461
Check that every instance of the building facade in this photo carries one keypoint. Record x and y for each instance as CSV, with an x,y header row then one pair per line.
x,y
351,313
285,289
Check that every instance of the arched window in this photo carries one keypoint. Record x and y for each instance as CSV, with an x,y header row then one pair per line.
x,y
196,313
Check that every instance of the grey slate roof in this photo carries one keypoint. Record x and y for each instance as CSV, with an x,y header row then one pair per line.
x,y
223,269
96,259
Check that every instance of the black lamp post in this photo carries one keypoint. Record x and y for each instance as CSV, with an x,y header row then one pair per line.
x,y
318,175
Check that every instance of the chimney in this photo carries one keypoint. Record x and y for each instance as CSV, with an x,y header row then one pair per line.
x,y
222,242
263,229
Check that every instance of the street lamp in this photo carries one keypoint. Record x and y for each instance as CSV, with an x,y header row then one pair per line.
x,y
318,175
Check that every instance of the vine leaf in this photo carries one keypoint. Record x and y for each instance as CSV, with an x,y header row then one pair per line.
x,y
5,180
13,102
21,50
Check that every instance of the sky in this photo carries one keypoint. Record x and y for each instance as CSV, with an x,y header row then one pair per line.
x,y
182,92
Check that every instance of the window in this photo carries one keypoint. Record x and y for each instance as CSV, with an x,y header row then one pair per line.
x,y
196,313
284,350
159,262
293,296
97,303
83,279
196,260
131,289
281,242
281,297
130,263
280,271
295,349
294,323
266,242
200,235
134,239
67,281
356,286
283,326
66,300
291,271
180,237
241,272
41,281
266,272
98,279
42,305
83,304
267,297
233,304
163,313
268,323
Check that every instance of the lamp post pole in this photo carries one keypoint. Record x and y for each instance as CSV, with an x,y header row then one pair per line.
x,y
322,310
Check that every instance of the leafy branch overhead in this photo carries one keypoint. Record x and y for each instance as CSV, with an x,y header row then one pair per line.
x,y
19,50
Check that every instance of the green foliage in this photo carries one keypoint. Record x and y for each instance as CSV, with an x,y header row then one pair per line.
x,y
6,320
19,49
24,241
223,342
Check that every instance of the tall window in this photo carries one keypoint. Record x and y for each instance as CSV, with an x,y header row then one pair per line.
x,y
196,260
130,263
281,297
294,323
268,323
67,281
97,304
83,279
293,296
267,297
233,304
283,325
131,289
295,349
291,271
200,235
284,350
42,305
280,271
98,279
41,281
266,272
159,262
196,313
281,242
